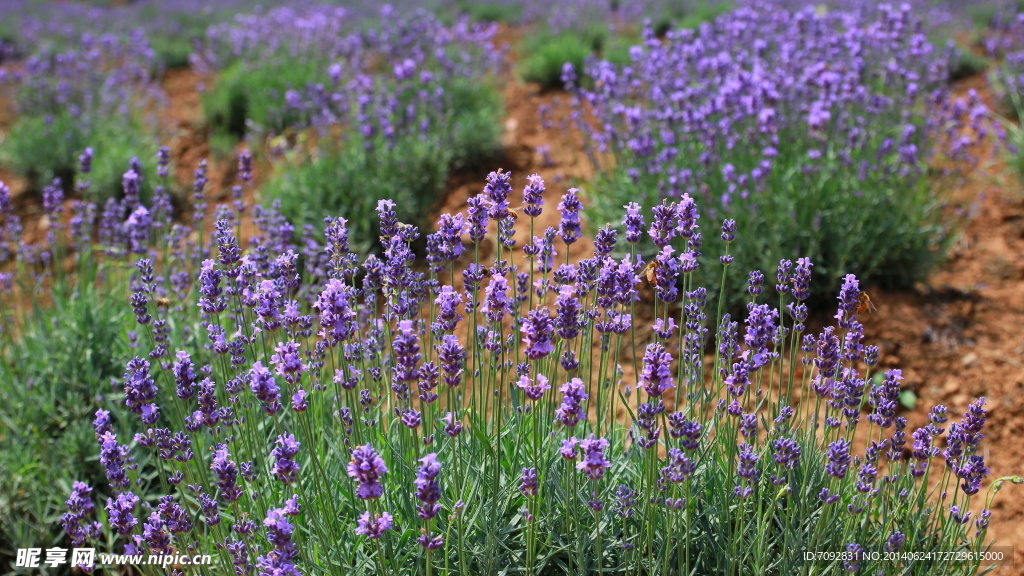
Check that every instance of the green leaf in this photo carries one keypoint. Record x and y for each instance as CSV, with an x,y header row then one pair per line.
x,y
908,399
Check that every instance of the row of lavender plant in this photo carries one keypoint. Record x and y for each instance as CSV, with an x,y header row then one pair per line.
x,y
363,77
96,90
307,411
1004,44
393,109
811,129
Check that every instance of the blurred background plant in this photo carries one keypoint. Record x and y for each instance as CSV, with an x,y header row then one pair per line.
x,y
386,112
825,156
1006,45
96,94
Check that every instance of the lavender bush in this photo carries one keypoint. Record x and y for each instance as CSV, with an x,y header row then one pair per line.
x,y
97,93
812,131
303,409
388,112
1007,81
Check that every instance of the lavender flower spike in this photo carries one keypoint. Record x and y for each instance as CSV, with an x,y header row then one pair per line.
x,y
285,466
367,467
428,489
594,462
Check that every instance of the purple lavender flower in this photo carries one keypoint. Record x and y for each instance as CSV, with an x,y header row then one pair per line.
x,y
533,195
570,207
410,418
898,439
546,251
625,501
130,181
568,448
263,387
119,512
178,520
838,458
594,462
374,526
571,411
664,223
449,230
923,449
281,559
496,300
689,431
337,318
972,472
787,453
728,230
430,541
959,516
680,466
748,425
747,467
211,301
686,212
367,467
388,218
53,199
207,413
447,302
285,466
154,532
240,555
452,427
568,76
783,276
140,304
567,312
755,282
428,488
184,375
972,423
451,355
210,509
802,279
497,190
407,355
85,161
140,391
535,387
604,241
982,522
79,505
849,299
287,362
528,483
855,552
115,459
895,541
633,222
537,331
227,474
656,377
477,217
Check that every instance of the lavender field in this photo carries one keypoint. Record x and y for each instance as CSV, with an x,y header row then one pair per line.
x,y
475,287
